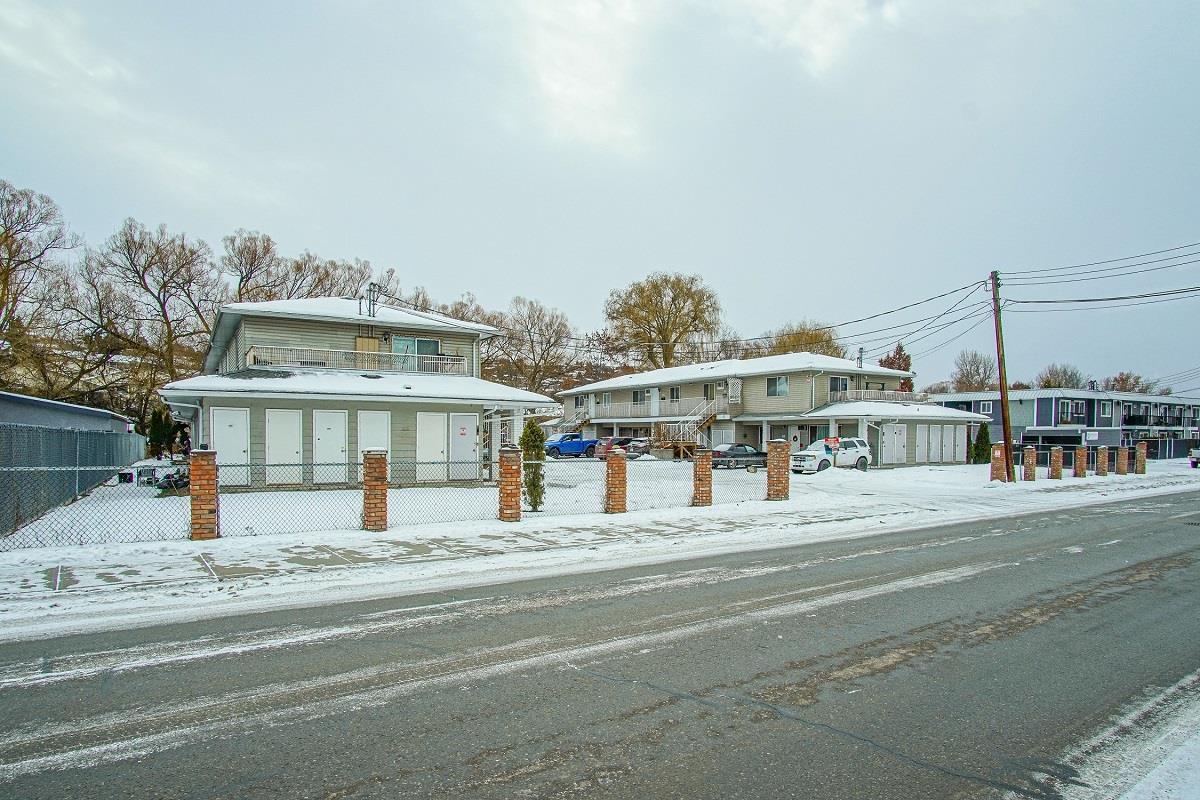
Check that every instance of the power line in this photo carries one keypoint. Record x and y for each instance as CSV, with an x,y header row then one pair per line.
x,y
1108,261
982,319
1073,279
1164,293
1101,308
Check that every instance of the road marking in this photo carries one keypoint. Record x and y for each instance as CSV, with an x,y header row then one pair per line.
x,y
393,686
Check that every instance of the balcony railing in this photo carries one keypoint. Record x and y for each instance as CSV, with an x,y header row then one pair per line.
x,y
885,395
666,408
357,360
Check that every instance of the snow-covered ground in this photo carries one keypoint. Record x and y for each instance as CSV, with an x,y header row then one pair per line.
x,y
91,587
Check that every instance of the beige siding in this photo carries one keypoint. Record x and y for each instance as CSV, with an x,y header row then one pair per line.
x,y
755,400
339,336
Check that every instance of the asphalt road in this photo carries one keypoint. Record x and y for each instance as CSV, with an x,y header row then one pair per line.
x,y
949,662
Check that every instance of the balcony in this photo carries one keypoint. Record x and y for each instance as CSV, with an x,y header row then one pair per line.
x,y
883,395
357,360
678,409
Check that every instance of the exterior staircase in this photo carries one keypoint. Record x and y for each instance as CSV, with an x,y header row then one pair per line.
x,y
572,423
686,435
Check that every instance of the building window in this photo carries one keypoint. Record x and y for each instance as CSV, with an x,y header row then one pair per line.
x,y
580,401
777,387
1064,410
985,406
837,384
1106,408
641,397
606,398
673,394
710,391
1077,407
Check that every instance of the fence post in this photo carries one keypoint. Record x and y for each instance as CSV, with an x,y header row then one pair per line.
x,y
375,490
1122,460
205,497
1080,466
616,482
778,482
510,483
1029,467
999,470
702,476
1102,461
1056,459
1139,460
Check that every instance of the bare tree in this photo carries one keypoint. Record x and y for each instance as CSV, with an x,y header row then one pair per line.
x,y
1132,382
939,387
32,236
656,315
1061,376
973,372
253,263
804,336
535,350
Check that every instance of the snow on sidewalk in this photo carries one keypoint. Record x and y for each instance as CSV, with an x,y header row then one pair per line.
x,y
93,587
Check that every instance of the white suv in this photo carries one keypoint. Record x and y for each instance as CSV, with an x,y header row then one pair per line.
x,y
833,453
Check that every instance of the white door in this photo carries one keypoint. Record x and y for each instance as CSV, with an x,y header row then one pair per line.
x,y
900,448
960,444
231,440
374,433
431,446
464,447
329,447
948,443
935,442
284,457
922,444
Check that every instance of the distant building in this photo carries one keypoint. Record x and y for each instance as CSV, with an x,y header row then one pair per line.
x,y
21,409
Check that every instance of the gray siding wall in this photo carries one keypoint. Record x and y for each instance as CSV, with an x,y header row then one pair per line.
x,y
333,336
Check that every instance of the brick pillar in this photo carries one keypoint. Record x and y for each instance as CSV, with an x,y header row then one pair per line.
x,y
1122,460
1102,461
1056,463
1080,467
778,480
702,474
1139,460
616,491
510,484
206,514
1029,464
375,489
999,473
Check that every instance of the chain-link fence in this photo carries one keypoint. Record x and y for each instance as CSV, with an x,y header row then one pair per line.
x,y
658,483
573,486
442,491
739,482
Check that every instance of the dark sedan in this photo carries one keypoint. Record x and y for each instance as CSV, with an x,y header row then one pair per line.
x,y
731,456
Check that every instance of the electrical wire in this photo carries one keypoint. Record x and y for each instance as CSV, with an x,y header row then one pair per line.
x,y
1108,261
1102,308
956,337
1072,277
1164,293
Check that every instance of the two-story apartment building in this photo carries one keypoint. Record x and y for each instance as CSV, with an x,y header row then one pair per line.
x,y
292,392
800,397
1083,416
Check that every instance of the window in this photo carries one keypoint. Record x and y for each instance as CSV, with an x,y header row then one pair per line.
x,y
673,394
1077,407
641,397
410,348
838,385
1106,408
580,401
985,406
606,398
777,387
1064,410
710,391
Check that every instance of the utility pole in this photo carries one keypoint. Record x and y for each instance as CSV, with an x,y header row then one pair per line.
x,y
1008,453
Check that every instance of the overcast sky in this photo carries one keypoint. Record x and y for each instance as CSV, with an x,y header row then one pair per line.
x,y
826,160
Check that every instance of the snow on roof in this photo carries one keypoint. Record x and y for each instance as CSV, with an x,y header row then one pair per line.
x,y
42,401
736,368
888,410
385,386
1077,394
348,308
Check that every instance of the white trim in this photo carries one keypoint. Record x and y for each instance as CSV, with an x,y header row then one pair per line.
x,y
358,398
985,406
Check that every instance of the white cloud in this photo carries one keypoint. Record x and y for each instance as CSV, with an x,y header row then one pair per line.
x,y
57,65
580,54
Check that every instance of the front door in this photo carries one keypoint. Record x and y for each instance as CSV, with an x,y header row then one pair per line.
x,y
464,447
284,458
374,433
431,446
231,440
922,444
329,447
948,443
935,443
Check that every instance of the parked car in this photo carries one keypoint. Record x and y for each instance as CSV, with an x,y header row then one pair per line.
x,y
732,456
609,442
570,444
828,453
639,446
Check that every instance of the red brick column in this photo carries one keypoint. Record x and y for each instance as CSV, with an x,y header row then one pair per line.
x,y
1122,460
1102,461
778,478
999,473
510,484
1029,464
1139,460
702,474
616,489
1080,467
1056,454
375,489
206,514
